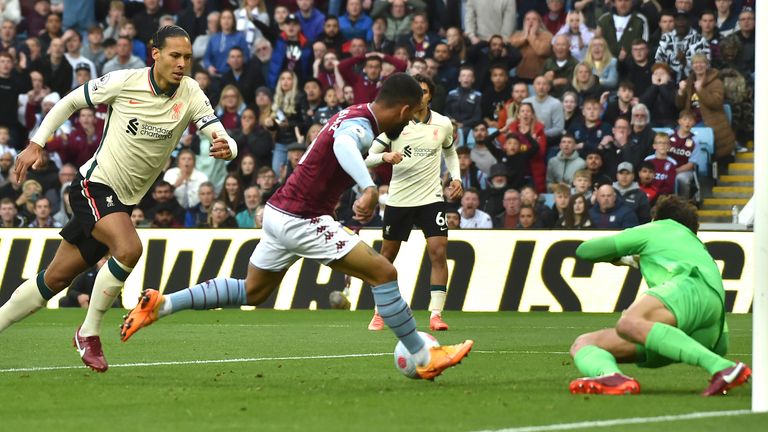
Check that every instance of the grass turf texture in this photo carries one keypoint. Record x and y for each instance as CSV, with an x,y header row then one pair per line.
x,y
517,375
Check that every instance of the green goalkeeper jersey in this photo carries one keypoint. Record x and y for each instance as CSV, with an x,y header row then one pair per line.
x,y
667,250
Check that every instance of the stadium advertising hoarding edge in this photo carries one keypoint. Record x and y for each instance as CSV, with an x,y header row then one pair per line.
x,y
490,270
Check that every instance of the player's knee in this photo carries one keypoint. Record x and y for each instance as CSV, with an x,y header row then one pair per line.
x,y
256,293
56,280
437,256
385,272
128,253
626,327
580,342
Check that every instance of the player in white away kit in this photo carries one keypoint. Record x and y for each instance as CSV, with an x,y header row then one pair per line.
x,y
298,223
149,109
416,193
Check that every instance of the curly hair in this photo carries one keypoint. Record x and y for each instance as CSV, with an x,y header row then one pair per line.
x,y
678,209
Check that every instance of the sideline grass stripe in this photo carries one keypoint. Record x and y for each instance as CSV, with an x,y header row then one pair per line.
x,y
624,421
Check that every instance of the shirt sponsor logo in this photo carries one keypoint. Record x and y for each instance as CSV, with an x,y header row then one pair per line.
x,y
133,126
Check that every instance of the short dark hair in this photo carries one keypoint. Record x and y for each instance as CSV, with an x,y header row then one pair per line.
x,y
165,32
639,41
237,48
708,12
647,165
568,136
679,210
426,80
463,150
400,88
627,85
313,80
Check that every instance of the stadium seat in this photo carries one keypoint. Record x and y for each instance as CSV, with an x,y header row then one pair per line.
x,y
548,199
705,138
728,113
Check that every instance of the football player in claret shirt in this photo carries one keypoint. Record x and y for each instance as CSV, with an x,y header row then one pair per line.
x,y
679,319
298,224
150,108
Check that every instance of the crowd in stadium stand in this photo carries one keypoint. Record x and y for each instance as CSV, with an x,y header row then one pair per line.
x,y
568,113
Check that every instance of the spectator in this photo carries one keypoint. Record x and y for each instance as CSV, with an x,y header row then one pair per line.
x,y
727,21
93,48
64,214
447,73
34,22
253,140
592,132
576,215
258,217
295,152
485,56
219,44
555,17
246,217
137,218
267,182
331,107
10,187
56,69
660,95
610,211
163,217
482,19
355,23
441,93
508,113
480,153
471,176
622,105
571,111
200,44
162,194
397,16
42,212
471,216
576,36
585,84
517,158
641,138
534,43
457,45
6,152
665,166
147,21
463,104
595,166
616,150
186,179
9,214
366,87
621,26
636,68
113,20
562,194
527,218
544,215
510,217
252,20
246,170
242,75
293,52
710,33
230,105
602,63
279,14
8,41
549,111
81,143
326,71
683,149
197,215
74,45
124,59
287,116
52,31
331,35
232,194
139,48
647,182
313,100
631,194
703,94
420,41
194,18
6,162
529,129
679,45
379,40
34,55
558,69
452,217
666,25
562,167
494,196
745,36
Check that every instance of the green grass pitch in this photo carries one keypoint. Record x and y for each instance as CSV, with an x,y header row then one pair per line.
x,y
516,376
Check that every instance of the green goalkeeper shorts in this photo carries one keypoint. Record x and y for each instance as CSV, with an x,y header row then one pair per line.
x,y
699,313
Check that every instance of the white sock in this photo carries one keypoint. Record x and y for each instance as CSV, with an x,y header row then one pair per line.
x,y
437,302
166,307
109,282
23,302
422,357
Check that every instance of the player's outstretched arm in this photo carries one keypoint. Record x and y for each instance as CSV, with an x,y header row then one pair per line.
x,y
601,249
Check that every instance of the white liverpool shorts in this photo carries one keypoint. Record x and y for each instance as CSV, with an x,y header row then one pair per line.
x,y
286,237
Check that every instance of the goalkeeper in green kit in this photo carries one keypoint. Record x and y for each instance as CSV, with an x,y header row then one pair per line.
x,y
680,319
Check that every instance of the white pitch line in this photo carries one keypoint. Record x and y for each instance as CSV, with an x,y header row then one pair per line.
x,y
624,421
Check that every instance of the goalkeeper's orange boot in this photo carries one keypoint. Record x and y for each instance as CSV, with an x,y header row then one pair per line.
x,y
436,323
727,379
377,322
614,384
144,314
442,357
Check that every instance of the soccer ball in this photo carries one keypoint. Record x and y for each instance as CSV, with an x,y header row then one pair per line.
x,y
404,360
